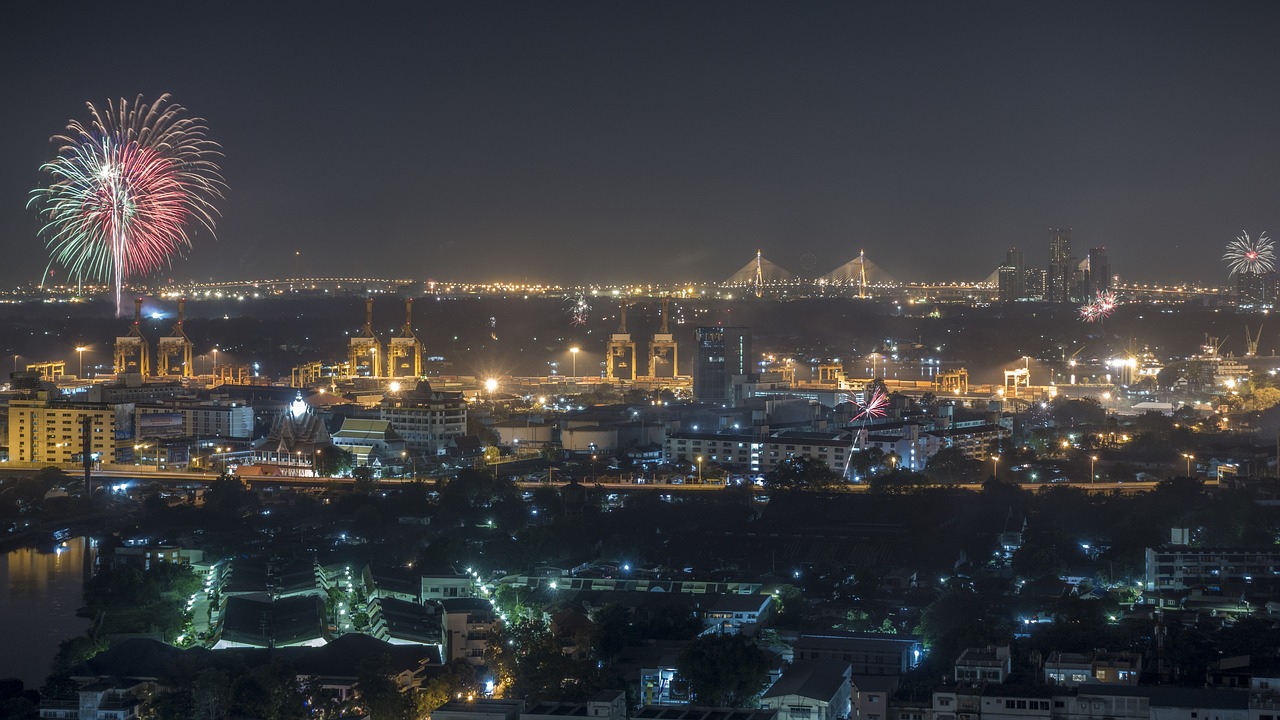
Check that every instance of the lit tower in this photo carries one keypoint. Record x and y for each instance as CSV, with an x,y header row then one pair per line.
x,y
663,346
132,351
862,274
363,349
759,281
400,349
621,354
176,344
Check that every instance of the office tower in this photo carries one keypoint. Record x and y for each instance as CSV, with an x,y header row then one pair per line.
x,y
720,354
1012,277
1251,289
1061,268
1099,272
1035,280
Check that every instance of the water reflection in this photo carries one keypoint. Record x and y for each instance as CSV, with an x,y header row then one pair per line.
x,y
40,591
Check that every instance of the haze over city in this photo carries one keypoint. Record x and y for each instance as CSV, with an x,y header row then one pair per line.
x,y
580,142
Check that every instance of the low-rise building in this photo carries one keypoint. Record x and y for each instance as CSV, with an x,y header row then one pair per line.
x,y
1100,666
51,432
733,614
469,625
811,690
427,420
97,700
983,665
372,442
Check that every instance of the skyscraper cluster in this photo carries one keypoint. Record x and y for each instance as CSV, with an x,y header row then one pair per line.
x,y
1068,279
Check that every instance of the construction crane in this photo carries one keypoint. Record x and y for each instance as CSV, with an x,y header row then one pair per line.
x,y
1251,341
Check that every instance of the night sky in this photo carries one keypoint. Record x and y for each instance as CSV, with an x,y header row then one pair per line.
x,y
598,141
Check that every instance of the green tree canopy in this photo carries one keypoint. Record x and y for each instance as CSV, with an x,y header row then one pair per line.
x,y
724,670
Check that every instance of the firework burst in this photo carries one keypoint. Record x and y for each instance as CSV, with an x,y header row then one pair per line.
x,y
1247,255
579,308
127,190
875,406
1101,307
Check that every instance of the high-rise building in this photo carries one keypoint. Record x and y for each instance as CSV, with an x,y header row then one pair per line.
x,y
1035,280
719,355
1061,267
1099,272
1012,277
1251,289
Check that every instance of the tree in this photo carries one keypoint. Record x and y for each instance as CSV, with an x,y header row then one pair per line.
x,y
379,694
1260,399
952,465
802,473
365,483
333,461
724,670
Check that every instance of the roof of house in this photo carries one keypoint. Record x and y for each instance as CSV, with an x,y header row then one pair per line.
x,y
1163,696
355,429
815,679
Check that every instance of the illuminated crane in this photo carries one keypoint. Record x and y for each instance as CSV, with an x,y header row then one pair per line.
x,y
132,352
176,344
1251,341
621,352
404,352
363,348
663,346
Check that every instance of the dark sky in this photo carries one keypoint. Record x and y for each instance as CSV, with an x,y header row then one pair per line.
x,y
603,141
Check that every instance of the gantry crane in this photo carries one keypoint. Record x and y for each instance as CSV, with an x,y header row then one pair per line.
x,y
621,354
404,352
177,344
662,348
364,348
132,352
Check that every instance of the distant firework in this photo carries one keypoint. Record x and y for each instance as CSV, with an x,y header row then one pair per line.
x,y
875,406
1101,307
1246,255
126,189
579,309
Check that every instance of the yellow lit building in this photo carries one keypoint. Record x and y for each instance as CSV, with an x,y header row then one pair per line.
x,y
50,432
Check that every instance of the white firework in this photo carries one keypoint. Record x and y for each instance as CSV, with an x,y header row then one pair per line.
x,y
1246,255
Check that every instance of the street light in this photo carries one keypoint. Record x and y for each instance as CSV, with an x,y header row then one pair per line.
x,y
1092,476
80,349
574,352
1189,458
593,468
699,469
215,361
995,473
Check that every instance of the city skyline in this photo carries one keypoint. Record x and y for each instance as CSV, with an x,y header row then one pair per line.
x,y
559,143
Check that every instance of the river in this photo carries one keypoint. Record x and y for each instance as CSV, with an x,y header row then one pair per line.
x,y
40,590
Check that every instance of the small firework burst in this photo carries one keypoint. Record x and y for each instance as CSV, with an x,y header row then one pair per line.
x,y
1101,307
578,309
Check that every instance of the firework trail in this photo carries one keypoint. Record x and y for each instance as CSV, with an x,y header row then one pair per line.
x,y
1246,255
127,190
